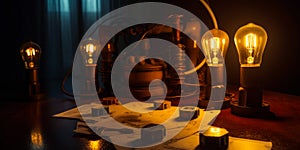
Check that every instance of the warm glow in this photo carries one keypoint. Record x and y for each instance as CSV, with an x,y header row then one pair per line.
x,y
109,47
250,45
250,41
90,60
90,49
36,139
214,130
94,145
195,44
31,64
30,52
223,47
215,44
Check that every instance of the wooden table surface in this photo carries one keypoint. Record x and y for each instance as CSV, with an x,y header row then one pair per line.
x,y
29,124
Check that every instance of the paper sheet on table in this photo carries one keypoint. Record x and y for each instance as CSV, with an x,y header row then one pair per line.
x,y
69,114
134,116
192,142
188,138
248,144
74,113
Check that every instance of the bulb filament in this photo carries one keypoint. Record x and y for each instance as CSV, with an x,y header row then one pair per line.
x,y
30,52
215,46
251,44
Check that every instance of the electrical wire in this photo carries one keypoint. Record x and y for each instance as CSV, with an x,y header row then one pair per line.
x,y
211,13
62,86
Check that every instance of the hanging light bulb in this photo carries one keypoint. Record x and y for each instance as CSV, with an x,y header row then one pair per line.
x,y
215,44
31,54
250,41
90,51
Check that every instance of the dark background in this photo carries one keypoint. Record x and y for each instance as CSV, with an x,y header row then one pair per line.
x,y
21,21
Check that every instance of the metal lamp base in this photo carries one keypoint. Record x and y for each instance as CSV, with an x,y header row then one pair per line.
x,y
245,111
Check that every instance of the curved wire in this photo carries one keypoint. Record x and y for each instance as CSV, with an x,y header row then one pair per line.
x,y
211,13
62,86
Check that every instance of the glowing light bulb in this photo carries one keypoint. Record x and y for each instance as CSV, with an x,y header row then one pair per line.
x,y
90,50
250,41
215,44
31,53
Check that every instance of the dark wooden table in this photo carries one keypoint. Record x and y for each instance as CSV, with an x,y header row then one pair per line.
x,y
29,124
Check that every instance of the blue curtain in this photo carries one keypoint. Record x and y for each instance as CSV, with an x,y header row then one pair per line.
x,y
66,23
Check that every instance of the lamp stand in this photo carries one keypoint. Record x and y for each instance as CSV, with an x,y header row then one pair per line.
x,y
250,100
34,89
91,78
214,92
87,93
